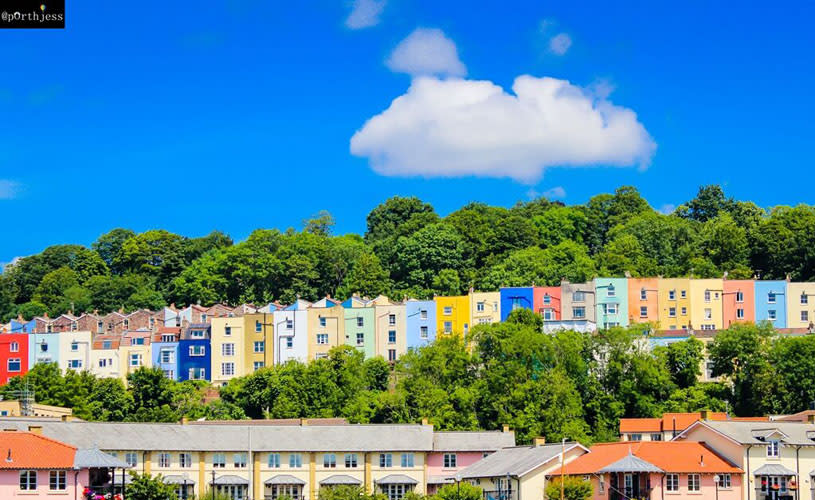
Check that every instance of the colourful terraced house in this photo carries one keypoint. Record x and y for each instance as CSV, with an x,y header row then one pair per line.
x,y
738,302
643,300
611,302
453,315
771,302
674,304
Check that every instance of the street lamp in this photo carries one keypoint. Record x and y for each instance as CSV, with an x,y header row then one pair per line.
x,y
458,486
716,480
184,482
213,484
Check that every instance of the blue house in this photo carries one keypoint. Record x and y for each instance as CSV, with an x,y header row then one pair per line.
x,y
43,348
611,301
516,298
22,326
771,302
195,353
421,322
165,356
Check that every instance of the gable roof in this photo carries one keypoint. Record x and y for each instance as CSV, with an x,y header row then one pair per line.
x,y
26,450
516,461
630,463
472,441
668,422
751,432
667,456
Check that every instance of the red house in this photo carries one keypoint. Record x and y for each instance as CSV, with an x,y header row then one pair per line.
x,y
13,355
546,300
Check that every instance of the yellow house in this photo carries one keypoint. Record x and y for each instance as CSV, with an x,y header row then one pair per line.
x,y
706,303
452,315
390,320
228,349
326,327
800,305
133,357
484,307
674,304
258,341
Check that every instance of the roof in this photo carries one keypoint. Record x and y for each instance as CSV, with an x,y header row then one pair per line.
x,y
801,416
773,470
668,422
275,421
515,461
667,456
284,479
396,479
628,425
443,480
178,479
27,450
229,479
472,441
93,457
340,479
207,436
630,463
750,432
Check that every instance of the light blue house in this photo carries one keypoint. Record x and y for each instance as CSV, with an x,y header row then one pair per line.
x,y
165,356
611,302
22,326
43,348
421,322
516,298
771,302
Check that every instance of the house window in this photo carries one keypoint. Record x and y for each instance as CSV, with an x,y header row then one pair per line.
x,y
74,347
643,294
167,356
103,362
100,327
258,327
14,365
448,326
289,342
391,336
274,460
239,460
611,291
219,460
423,332
548,314
739,296
708,313
448,310
164,460
683,294
672,482
76,364
295,460
330,461
671,312
259,346
804,315
394,491
739,313
227,331
693,482
322,338
643,311
28,480
185,460
656,437
350,461
385,460
197,334
257,365
289,324
707,295
168,338
126,324
322,322
227,349
204,318
629,485
360,338
771,315
684,311
635,437
391,319
107,344
479,307
391,354
423,314
773,448
132,459
804,299
579,312
609,308
771,298
57,480
360,321
227,369
407,460
197,350
602,487
725,481
197,374
578,296
137,341
44,347
170,374
450,460
14,347
671,294
547,299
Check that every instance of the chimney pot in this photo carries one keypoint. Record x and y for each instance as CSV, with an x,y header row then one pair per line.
x,y
35,429
811,418
505,428
704,414
303,421
539,441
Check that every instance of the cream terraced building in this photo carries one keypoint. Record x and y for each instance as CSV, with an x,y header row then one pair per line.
x,y
264,460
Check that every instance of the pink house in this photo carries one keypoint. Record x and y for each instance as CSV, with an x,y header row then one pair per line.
x,y
453,451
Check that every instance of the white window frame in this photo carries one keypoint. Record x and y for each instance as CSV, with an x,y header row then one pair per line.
x,y
694,483
672,482
450,461
643,311
773,448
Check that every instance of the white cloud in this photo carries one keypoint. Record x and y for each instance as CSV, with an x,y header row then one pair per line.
x,y
364,14
560,43
454,128
555,193
426,52
8,189
667,209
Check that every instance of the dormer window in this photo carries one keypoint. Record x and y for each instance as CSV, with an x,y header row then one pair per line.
x,y
611,291
773,448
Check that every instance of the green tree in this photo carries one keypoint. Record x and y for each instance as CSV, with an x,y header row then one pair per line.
x,y
321,224
147,487
459,491
54,284
110,244
710,201
423,255
566,260
561,224
156,253
573,488
684,360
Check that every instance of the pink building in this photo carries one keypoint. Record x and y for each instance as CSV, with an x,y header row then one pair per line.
x,y
546,302
657,470
453,451
738,302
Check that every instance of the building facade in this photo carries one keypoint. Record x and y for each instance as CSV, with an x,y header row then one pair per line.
x,y
452,315
611,302
771,302
738,302
420,322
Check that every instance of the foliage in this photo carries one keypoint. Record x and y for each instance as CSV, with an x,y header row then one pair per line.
x,y
347,492
147,487
574,488
459,491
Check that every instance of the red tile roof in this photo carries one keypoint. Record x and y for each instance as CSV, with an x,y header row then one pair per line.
x,y
670,456
32,451
670,421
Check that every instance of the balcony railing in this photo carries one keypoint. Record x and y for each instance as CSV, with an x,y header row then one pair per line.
x,y
500,495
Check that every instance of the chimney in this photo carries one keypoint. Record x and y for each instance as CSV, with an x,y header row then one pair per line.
x,y
96,312
627,274
425,421
472,290
35,429
505,428
702,460
66,418
121,310
789,278
704,414
539,441
20,318
303,421
811,418
184,420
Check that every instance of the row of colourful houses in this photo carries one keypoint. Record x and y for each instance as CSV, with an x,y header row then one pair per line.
x,y
723,459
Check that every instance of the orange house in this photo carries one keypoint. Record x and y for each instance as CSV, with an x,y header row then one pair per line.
x,y
546,302
643,302
739,302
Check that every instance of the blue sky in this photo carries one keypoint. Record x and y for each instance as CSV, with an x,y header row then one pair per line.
x,y
240,114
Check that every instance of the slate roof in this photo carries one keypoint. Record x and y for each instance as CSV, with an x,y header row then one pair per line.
x,y
750,432
178,479
284,479
340,479
396,479
773,470
472,441
630,463
515,461
93,457
230,479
